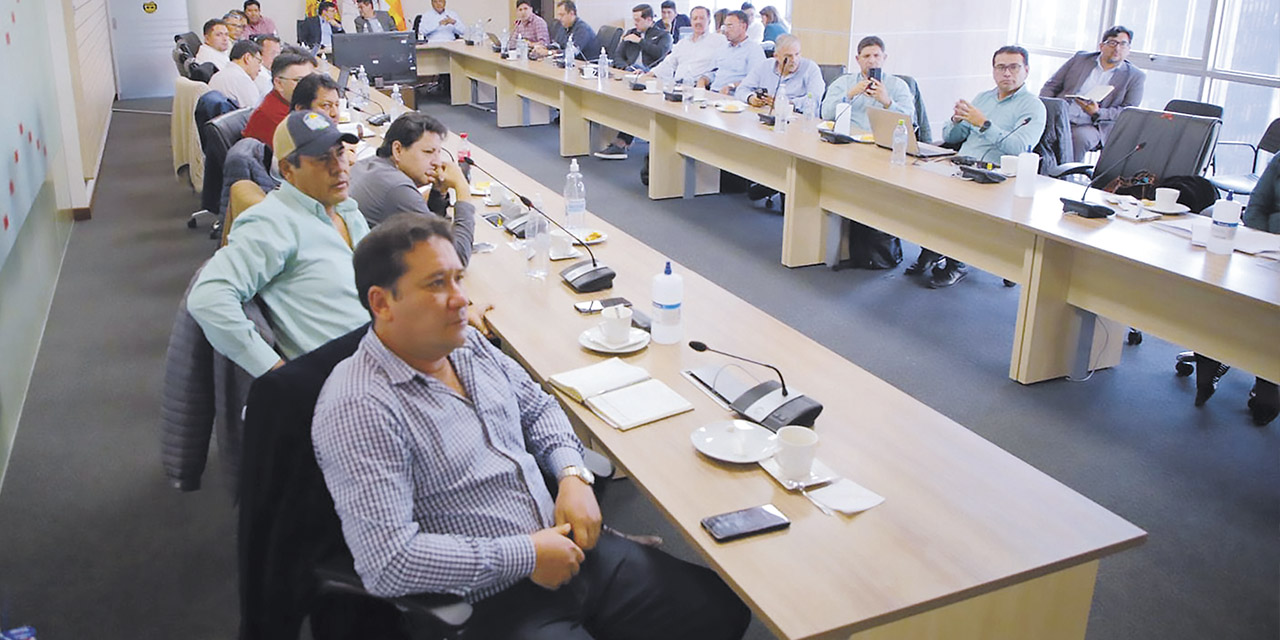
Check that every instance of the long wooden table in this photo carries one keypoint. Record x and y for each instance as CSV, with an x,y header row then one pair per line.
x,y
1070,268
971,543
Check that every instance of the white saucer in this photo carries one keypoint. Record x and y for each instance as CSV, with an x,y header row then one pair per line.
x,y
1007,174
1177,208
480,189
572,253
819,473
654,92
490,202
583,233
735,441
730,106
593,339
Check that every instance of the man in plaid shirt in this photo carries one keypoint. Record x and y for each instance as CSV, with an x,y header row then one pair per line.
x,y
529,25
435,445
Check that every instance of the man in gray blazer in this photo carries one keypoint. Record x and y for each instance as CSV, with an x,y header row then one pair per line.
x,y
1090,121
370,21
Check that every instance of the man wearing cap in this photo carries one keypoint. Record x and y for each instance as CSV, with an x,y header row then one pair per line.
x,y
292,250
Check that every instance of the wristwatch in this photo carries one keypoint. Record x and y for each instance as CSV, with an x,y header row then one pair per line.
x,y
582,473
985,125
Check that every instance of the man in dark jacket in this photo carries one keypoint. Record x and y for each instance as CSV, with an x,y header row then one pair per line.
x,y
1090,120
371,21
317,31
645,46
672,21
568,25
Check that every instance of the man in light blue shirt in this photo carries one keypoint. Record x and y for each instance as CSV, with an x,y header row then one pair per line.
x,y
799,77
736,59
860,90
440,24
293,251
989,127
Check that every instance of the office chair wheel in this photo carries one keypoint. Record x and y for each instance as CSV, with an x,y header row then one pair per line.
x,y
191,223
1184,369
1135,337
1010,283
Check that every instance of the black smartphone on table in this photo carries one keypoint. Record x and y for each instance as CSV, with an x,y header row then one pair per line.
x,y
745,522
588,307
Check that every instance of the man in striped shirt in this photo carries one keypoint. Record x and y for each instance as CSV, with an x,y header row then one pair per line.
x,y
434,445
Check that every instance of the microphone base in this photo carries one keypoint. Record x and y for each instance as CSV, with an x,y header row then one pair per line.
x,y
1085,209
764,404
587,277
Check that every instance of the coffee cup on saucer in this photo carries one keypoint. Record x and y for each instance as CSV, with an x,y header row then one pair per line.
x,y
615,327
796,449
651,85
1167,199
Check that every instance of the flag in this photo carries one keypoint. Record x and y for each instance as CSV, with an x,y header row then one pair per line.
x,y
397,11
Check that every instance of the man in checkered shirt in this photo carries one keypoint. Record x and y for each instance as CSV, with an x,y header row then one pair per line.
x,y
434,446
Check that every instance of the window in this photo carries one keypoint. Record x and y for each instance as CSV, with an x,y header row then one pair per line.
x,y
1066,25
1166,27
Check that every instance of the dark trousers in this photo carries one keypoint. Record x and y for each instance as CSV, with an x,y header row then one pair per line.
x,y
626,138
1207,368
929,255
624,591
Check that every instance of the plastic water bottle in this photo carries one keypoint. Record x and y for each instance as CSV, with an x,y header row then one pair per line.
x,y
1226,222
537,241
569,52
396,97
899,156
522,48
506,35
781,110
575,198
668,291
464,153
602,69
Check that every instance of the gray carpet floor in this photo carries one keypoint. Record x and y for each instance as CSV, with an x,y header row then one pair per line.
x,y
95,544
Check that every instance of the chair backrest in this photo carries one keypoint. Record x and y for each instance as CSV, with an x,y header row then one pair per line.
x,y
1270,141
417,22
191,39
830,72
608,36
300,29
226,128
180,57
923,131
1194,108
1055,146
1176,144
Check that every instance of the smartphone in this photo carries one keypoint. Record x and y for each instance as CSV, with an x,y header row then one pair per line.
x,y
596,306
745,522
875,73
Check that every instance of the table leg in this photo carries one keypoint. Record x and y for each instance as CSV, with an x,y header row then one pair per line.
x,y
510,104
575,130
666,167
459,83
803,225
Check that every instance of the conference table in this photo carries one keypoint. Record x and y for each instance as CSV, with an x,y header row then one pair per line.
x,y
1074,272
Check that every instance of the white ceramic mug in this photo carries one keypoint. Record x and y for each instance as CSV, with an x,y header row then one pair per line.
x,y
1167,199
700,94
796,448
651,85
1008,165
616,326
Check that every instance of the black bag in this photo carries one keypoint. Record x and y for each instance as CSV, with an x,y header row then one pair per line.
x,y
871,248
1141,185
1194,191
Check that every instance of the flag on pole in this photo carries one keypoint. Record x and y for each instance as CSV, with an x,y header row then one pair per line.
x,y
397,12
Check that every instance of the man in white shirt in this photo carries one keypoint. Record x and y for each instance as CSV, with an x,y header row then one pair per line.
x,y
693,58
236,80
755,28
270,49
217,41
439,24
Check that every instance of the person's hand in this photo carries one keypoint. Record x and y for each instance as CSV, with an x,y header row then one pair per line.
x,y
448,21
728,89
876,90
558,558
451,177
760,101
966,111
1090,107
576,506
476,317
632,37
859,88
703,82
539,49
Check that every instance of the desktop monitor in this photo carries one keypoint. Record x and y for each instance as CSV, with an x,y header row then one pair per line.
x,y
388,58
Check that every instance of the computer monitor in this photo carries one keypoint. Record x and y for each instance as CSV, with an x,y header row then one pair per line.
x,y
388,57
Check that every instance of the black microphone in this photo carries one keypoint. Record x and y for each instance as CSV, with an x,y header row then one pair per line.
x,y
1086,210
702,346
999,142
769,403
585,276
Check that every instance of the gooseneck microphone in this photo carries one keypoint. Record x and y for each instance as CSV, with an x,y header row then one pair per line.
x,y
999,142
585,276
1086,210
702,346
769,403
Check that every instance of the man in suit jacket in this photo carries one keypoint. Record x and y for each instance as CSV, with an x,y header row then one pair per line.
x,y
1090,121
370,21
643,47
318,30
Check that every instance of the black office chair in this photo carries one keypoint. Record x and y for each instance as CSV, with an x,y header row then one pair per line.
x,y
1176,144
181,56
1191,107
609,36
1055,147
417,22
830,72
1245,183
216,137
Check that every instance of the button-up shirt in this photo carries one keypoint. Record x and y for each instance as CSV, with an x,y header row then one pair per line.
x,y
285,251
438,492
326,34
1098,76
207,53
534,30
691,58
430,29
1004,116
734,61
234,83
838,93
264,26
806,80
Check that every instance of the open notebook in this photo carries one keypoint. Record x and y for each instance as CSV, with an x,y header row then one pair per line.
x,y
621,394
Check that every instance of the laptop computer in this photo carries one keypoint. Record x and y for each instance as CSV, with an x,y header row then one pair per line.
x,y
884,121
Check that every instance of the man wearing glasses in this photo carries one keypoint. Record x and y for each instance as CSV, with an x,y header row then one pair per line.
x,y
293,251
286,70
1109,65
988,127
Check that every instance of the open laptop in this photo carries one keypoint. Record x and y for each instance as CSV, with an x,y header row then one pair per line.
x,y
884,121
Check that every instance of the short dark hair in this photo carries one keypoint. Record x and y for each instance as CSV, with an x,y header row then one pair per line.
x,y
325,5
368,2
308,88
520,2
379,257
569,5
645,10
1117,30
408,129
740,15
668,4
255,3
700,7
285,60
869,41
244,47
1012,48
265,37
210,24
746,5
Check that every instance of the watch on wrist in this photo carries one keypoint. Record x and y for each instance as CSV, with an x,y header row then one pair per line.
x,y
985,125
582,473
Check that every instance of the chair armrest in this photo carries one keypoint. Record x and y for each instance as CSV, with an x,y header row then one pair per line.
x,y
1240,143
598,464
1072,169
425,610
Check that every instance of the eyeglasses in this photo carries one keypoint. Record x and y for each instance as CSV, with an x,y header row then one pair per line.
x,y
1115,44
293,80
1009,68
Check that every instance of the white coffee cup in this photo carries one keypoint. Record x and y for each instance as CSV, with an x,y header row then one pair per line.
x,y
616,325
651,85
561,245
588,72
1008,165
700,94
1167,199
796,448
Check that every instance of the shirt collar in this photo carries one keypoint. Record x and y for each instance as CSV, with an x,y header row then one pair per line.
x,y
397,370
996,93
313,206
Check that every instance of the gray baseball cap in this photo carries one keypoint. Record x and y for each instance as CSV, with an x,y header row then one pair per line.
x,y
308,133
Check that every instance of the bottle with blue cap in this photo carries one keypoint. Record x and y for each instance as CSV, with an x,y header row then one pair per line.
x,y
668,291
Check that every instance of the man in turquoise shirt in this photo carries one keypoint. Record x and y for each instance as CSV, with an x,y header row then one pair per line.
x,y
293,250
860,90
989,127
